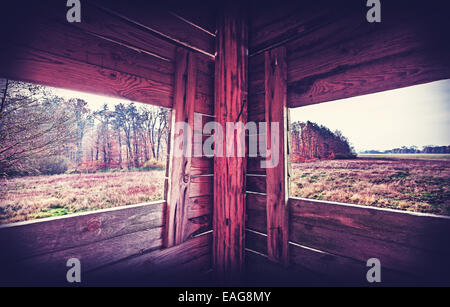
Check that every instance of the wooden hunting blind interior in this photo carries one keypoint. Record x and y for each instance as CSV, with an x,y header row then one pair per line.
x,y
227,219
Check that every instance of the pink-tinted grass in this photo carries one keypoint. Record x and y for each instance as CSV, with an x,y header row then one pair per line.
x,y
413,185
34,197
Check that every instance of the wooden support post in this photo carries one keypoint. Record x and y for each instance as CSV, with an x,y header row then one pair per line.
x,y
230,171
276,176
180,164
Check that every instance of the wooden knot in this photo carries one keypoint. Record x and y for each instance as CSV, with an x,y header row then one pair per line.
x,y
186,178
93,225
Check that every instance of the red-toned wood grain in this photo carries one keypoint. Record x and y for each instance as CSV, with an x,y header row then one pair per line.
x,y
276,175
229,172
40,67
180,165
334,53
161,21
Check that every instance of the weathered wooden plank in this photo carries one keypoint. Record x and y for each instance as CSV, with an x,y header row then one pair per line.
x,y
352,237
412,229
254,166
67,41
202,166
180,161
334,53
403,69
200,120
199,214
95,22
256,241
201,186
256,212
27,239
205,65
348,236
256,68
334,269
353,57
256,183
199,13
199,206
198,144
261,271
52,267
428,265
162,22
229,172
256,82
204,97
274,25
204,104
40,67
198,225
144,267
168,157
110,27
256,102
205,84
256,107
326,268
276,173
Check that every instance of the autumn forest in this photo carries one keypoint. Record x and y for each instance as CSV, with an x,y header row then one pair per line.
x,y
45,134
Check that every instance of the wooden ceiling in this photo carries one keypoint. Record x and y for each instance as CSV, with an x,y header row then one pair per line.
x,y
334,53
117,50
127,50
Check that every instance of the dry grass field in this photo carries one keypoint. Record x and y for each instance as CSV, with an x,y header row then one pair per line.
x,y
402,183
34,197
415,156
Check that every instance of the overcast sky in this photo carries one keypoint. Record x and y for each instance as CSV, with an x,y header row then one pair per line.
x,y
95,102
417,115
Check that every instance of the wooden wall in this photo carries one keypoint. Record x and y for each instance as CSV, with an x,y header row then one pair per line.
x,y
231,84
334,241
121,52
133,53
332,52
113,245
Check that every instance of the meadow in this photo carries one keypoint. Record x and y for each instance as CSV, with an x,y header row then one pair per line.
x,y
32,197
415,156
405,183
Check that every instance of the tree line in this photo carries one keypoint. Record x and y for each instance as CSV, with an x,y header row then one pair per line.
x,y
411,149
310,141
41,133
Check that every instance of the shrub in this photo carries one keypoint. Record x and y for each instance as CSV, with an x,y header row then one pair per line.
x,y
153,164
53,165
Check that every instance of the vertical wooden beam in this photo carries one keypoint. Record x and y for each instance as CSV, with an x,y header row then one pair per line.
x,y
229,171
180,165
276,176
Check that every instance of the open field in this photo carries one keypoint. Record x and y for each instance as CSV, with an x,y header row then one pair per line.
x,y
417,156
34,197
405,184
